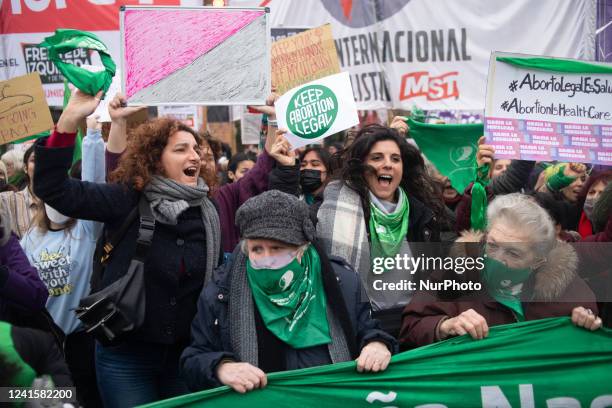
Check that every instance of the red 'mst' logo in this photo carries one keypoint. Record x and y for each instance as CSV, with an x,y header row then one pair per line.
x,y
434,88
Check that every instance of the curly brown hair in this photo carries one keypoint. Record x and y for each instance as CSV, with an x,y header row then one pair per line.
x,y
142,158
210,176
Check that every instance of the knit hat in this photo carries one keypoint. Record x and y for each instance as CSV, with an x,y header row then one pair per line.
x,y
277,216
602,209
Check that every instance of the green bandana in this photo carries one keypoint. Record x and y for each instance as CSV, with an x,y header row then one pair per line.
x,y
451,148
291,301
387,231
17,178
478,211
505,284
66,40
558,180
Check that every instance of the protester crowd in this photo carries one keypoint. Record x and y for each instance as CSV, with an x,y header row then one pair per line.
x,y
265,264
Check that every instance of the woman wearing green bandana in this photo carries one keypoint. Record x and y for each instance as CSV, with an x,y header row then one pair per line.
x,y
528,274
381,206
280,304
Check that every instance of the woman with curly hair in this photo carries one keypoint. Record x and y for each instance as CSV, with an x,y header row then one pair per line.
x,y
381,204
162,167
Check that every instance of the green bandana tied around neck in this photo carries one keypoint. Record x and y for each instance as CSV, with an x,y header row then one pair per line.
x,y
66,40
505,284
292,302
387,231
478,211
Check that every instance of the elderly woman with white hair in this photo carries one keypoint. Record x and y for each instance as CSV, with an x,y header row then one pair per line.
x,y
527,275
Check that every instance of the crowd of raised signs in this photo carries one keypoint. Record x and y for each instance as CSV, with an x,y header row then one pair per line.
x,y
233,265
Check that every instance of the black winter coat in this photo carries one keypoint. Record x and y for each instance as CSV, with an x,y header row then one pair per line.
x,y
175,263
210,330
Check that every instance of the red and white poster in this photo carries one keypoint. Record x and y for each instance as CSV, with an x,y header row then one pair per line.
x,y
26,23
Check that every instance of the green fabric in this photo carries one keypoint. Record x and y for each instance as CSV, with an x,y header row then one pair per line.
x,y
504,284
17,178
478,210
558,65
78,141
33,137
558,180
26,374
309,198
451,148
65,40
388,231
291,300
547,358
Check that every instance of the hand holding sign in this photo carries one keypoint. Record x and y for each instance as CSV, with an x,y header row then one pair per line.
x,y
318,109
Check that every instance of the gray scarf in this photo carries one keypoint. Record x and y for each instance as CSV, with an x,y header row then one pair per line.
x,y
342,229
243,333
168,199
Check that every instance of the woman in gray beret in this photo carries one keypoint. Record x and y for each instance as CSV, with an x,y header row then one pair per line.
x,y
280,304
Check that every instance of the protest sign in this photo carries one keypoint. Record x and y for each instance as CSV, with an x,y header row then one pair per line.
x,y
187,114
510,368
250,127
318,109
279,33
25,24
195,56
548,109
304,57
23,108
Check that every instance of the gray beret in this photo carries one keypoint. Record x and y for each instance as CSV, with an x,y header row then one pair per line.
x,y
277,216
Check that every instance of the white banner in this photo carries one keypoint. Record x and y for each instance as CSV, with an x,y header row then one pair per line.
x,y
549,109
435,54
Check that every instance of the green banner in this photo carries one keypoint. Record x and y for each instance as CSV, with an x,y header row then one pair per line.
x,y
558,65
542,363
451,148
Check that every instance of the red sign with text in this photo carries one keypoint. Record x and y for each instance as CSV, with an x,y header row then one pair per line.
x,y
40,16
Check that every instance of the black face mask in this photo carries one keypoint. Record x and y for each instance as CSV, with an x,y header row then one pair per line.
x,y
310,180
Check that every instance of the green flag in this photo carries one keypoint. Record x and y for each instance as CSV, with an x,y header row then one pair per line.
x,y
451,148
541,363
78,141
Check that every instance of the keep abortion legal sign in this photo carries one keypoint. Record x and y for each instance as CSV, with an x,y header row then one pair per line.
x,y
317,109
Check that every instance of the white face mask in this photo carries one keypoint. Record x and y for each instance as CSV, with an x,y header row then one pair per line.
x,y
55,216
274,262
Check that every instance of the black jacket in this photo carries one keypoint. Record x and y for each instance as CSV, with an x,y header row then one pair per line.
x,y
175,264
39,350
210,331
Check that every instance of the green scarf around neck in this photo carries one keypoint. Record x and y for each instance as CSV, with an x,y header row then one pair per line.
x,y
292,301
387,231
478,211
